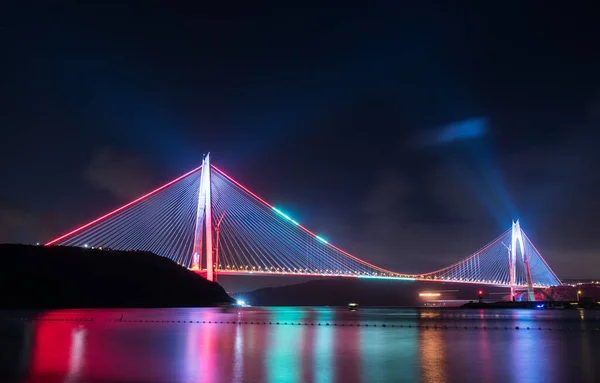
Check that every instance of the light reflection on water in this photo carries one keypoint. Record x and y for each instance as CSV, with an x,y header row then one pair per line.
x,y
157,346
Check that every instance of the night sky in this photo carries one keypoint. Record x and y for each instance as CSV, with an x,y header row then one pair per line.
x,y
409,136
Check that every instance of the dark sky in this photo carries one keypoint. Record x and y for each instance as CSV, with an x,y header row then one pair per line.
x,y
409,136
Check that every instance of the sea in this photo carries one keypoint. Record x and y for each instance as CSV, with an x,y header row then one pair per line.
x,y
300,344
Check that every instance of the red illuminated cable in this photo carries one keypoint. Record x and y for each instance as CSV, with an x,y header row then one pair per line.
x,y
300,226
469,257
242,186
540,255
122,207
236,272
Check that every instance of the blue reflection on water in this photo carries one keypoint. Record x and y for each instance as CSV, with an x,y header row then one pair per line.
x,y
323,358
282,355
398,361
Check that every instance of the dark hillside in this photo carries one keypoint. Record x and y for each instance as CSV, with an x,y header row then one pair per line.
x,y
70,277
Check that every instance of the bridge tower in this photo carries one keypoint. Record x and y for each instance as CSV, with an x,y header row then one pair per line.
x,y
204,223
517,237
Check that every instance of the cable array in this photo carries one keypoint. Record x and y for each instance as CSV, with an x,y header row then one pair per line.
x,y
541,274
491,265
162,222
255,237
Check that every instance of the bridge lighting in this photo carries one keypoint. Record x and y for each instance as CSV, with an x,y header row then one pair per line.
x,y
241,302
464,271
284,215
429,294
122,207
375,277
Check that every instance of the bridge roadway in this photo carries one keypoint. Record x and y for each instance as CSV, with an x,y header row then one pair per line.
x,y
398,277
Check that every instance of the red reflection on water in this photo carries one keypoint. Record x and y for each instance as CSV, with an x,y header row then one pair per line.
x,y
224,349
202,361
347,343
51,349
208,349
255,340
73,351
484,354
306,349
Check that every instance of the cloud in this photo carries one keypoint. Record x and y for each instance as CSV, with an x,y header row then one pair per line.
x,y
454,132
17,225
123,175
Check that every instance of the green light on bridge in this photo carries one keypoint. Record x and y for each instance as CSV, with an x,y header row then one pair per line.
x,y
392,278
285,216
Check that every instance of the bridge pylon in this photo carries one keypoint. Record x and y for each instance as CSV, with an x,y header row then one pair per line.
x,y
517,239
203,229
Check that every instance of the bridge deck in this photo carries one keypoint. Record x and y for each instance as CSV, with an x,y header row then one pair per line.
x,y
398,278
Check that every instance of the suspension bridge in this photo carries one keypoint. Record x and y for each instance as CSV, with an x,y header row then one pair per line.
x,y
208,222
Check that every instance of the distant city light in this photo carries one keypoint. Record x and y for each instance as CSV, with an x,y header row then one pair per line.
x,y
241,302
85,245
429,294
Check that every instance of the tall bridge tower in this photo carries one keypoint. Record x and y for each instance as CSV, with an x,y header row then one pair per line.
x,y
517,237
203,230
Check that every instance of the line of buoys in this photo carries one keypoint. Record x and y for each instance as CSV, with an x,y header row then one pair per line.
x,y
426,327
423,327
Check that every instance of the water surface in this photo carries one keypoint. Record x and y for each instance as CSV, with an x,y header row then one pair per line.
x,y
299,345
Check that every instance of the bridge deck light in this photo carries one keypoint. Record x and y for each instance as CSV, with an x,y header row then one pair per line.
x,y
284,215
